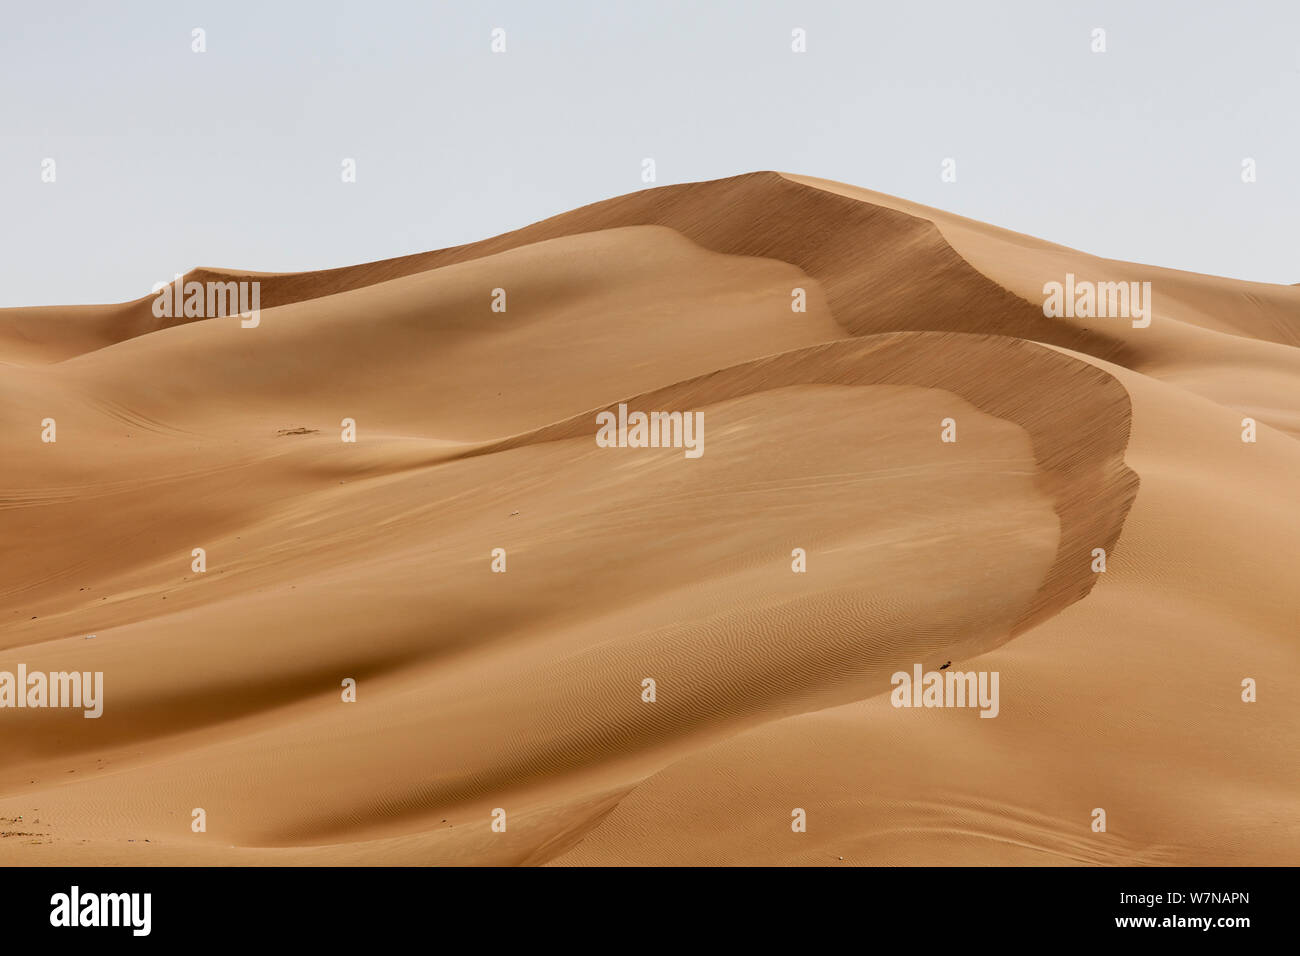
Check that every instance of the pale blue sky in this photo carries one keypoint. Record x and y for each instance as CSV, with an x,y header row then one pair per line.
x,y
167,159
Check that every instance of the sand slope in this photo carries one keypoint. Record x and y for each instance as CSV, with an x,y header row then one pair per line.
x,y
523,690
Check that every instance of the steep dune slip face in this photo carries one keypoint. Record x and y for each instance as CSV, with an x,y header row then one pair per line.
x,y
569,650
1235,343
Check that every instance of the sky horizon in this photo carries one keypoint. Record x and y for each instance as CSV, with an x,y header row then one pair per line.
x,y
166,158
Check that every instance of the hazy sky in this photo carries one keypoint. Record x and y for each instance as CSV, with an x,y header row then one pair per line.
x,y
167,159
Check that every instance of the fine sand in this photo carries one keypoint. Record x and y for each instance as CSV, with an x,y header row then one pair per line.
x,y
519,695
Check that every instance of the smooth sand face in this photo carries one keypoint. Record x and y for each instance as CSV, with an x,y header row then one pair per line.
x,y
523,690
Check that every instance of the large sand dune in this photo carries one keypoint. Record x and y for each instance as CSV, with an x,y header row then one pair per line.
x,y
522,690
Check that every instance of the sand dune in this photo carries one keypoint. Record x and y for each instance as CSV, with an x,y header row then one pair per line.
x,y
523,691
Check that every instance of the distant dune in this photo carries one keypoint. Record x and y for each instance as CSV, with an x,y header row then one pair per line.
x,y
483,695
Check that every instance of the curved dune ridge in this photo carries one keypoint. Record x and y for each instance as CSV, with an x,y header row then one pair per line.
x,y
480,693
1076,416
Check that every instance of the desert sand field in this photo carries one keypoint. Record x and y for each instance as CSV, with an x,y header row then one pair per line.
x,y
827,537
